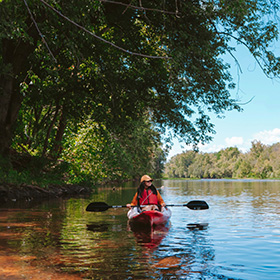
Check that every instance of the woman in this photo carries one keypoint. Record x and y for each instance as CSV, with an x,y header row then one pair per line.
x,y
148,195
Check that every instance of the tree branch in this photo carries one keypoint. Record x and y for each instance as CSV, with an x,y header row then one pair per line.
x,y
229,51
138,8
40,33
100,38
244,44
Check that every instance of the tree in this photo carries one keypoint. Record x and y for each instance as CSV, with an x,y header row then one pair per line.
x,y
261,161
162,58
274,155
177,167
97,155
202,166
225,163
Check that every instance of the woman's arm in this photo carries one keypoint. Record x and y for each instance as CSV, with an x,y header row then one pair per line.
x,y
133,202
160,199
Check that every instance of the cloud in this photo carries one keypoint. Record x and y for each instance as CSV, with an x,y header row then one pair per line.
x,y
234,141
268,137
210,148
207,148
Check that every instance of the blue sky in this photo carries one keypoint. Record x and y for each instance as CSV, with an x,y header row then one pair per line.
x,y
260,119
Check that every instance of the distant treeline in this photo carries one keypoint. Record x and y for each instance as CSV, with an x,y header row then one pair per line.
x,y
261,161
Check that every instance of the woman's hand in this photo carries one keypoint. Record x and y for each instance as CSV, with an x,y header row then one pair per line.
x,y
128,206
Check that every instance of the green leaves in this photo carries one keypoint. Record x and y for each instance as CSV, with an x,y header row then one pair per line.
x,y
156,67
97,154
260,162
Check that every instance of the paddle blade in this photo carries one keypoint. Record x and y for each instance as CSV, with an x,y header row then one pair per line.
x,y
97,207
197,205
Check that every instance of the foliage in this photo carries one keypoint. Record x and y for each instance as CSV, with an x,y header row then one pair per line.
x,y
31,170
260,162
111,66
96,155
179,90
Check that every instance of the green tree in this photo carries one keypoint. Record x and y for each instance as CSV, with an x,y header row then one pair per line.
x,y
124,45
178,166
261,161
243,167
95,154
274,156
259,156
158,161
202,166
225,164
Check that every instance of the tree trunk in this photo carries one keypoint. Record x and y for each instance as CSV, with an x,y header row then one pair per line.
x,y
49,131
59,136
15,58
5,127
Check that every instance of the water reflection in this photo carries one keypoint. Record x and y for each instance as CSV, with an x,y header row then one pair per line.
x,y
147,236
197,226
236,238
188,258
98,227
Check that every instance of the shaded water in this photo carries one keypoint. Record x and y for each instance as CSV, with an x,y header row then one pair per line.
x,y
60,240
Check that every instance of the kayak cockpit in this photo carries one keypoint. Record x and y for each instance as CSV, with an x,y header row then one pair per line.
x,y
150,217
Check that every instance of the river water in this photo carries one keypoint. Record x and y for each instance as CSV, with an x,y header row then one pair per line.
x,y
238,237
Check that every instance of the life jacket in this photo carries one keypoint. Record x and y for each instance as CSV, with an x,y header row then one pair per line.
x,y
147,197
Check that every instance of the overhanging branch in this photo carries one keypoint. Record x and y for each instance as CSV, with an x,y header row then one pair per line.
x,y
100,38
141,8
40,33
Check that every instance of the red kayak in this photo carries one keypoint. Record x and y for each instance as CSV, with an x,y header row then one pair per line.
x,y
148,218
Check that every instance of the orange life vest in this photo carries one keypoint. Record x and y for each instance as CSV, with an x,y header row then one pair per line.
x,y
148,197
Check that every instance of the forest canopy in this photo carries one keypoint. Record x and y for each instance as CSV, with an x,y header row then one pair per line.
x,y
121,67
261,161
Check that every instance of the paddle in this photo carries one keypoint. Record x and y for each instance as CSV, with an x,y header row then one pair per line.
x,y
102,206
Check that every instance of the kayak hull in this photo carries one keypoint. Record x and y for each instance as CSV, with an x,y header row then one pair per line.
x,y
149,218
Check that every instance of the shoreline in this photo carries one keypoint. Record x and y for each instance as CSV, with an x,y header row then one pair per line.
x,y
24,192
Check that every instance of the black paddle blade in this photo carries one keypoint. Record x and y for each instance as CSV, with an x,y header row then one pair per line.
x,y
200,226
97,207
197,205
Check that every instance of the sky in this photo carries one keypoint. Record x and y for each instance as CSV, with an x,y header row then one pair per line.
x,y
260,119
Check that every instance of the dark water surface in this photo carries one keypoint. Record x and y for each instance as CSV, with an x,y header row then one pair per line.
x,y
238,237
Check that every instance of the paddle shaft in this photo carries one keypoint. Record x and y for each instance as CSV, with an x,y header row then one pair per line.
x,y
102,206
124,206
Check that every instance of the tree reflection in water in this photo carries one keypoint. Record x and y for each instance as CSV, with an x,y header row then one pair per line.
x,y
60,240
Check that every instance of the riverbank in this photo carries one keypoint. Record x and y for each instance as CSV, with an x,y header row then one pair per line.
x,y
24,192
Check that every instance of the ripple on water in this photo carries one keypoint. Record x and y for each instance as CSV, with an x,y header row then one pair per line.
x,y
240,242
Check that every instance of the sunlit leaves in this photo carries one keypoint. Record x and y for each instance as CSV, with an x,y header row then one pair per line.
x,y
160,65
260,162
96,154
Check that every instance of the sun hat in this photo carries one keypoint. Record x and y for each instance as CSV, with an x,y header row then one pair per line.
x,y
146,178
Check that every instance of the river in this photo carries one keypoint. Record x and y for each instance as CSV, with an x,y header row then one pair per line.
x,y
238,237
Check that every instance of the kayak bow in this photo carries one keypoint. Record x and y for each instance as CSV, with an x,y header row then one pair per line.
x,y
148,218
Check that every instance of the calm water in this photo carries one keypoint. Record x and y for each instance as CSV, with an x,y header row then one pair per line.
x,y
60,240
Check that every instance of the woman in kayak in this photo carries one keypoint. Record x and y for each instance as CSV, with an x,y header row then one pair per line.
x,y
148,195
